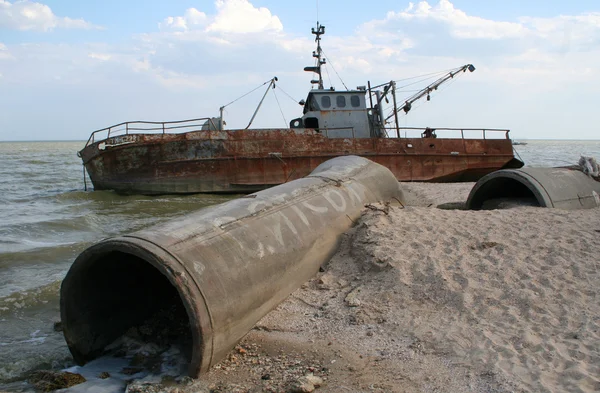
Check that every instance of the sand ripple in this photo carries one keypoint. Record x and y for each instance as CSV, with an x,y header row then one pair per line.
x,y
510,291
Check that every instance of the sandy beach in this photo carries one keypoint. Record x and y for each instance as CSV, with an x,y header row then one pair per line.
x,y
423,299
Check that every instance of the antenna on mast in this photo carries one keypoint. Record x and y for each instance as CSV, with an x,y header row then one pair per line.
x,y
318,32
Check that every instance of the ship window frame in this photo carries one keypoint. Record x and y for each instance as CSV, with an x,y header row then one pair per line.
x,y
312,104
326,102
340,101
355,101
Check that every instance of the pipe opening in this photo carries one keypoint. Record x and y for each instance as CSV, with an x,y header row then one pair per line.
x,y
502,193
118,301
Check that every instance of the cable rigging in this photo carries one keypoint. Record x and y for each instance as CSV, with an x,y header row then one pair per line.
x,y
251,91
280,110
334,70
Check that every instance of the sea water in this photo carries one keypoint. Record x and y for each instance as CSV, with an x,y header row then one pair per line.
x,y
47,219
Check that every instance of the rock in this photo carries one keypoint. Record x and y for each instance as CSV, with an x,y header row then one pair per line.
x,y
306,384
379,264
47,381
131,370
326,282
315,380
195,387
301,386
104,375
146,387
140,387
352,298
58,326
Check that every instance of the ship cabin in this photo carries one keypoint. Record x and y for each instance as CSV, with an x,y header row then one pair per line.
x,y
337,114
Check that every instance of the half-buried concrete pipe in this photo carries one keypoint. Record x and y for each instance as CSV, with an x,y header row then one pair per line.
x,y
222,268
563,188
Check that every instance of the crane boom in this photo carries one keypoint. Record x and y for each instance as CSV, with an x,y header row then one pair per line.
x,y
431,87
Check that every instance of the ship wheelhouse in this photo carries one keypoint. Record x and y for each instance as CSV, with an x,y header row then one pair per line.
x,y
337,114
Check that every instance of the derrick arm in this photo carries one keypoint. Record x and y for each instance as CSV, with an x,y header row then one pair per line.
x,y
429,88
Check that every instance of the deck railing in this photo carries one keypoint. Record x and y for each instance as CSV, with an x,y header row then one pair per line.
x,y
159,127
137,127
478,133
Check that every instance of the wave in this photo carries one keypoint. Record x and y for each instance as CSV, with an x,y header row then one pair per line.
x,y
30,252
81,195
36,162
20,301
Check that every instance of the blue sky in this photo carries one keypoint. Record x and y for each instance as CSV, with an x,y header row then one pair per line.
x,y
70,67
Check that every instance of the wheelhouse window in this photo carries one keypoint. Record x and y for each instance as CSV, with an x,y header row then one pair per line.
x,y
326,102
340,101
312,104
355,101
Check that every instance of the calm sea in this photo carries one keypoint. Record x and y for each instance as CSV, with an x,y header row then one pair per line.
x,y
47,219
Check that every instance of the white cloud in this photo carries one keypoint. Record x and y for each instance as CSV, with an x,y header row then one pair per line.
x,y
461,25
191,19
239,16
443,22
567,32
420,38
233,32
29,15
99,56
4,53
233,16
582,25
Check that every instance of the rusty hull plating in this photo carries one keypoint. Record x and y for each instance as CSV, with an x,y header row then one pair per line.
x,y
240,161
230,264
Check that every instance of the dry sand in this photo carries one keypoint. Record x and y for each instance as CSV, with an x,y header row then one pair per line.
x,y
423,299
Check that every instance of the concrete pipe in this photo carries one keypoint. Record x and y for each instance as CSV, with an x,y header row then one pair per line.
x,y
563,188
224,266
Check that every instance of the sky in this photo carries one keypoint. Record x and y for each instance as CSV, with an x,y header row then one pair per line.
x,y
69,67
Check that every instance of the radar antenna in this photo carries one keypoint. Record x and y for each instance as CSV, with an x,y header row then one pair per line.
x,y
320,30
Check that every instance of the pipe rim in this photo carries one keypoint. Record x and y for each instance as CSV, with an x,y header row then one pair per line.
x,y
169,266
515,174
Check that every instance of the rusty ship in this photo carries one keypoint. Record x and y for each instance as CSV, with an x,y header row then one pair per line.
x,y
201,156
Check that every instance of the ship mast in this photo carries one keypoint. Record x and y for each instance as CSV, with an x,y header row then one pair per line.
x,y
320,30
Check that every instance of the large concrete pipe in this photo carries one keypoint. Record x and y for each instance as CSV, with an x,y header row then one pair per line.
x,y
564,188
226,266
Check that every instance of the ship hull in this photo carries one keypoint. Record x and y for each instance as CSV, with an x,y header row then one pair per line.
x,y
243,161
